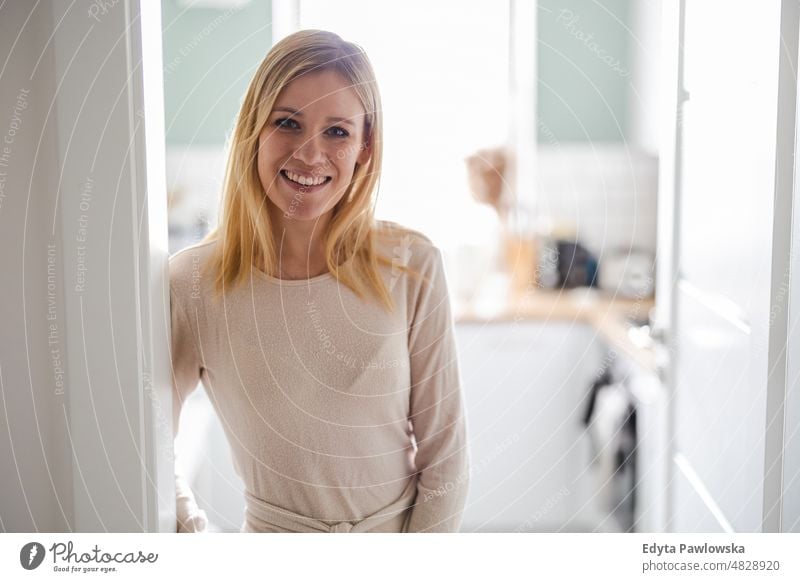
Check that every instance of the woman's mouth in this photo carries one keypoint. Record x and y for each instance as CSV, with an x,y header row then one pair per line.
x,y
311,184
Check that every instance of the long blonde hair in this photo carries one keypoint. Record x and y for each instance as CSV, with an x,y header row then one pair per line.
x,y
244,229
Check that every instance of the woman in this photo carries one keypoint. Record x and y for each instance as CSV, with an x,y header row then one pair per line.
x,y
323,337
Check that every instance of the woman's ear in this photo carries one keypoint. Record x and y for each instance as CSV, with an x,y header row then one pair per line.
x,y
366,153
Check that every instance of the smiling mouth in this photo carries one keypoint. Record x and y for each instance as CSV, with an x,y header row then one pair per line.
x,y
285,174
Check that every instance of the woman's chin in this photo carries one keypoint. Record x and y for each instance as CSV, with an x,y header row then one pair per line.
x,y
304,214
292,209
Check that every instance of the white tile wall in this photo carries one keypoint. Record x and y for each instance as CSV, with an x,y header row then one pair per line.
x,y
606,192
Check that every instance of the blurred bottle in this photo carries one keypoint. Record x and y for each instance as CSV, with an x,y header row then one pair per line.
x,y
547,266
520,255
547,261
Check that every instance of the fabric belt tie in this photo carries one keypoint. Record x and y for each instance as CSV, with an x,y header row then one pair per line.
x,y
282,519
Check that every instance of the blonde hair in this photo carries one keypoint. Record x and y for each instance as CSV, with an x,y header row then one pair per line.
x,y
244,229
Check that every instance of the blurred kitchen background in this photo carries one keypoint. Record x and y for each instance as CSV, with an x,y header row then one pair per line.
x,y
525,138
568,88
611,183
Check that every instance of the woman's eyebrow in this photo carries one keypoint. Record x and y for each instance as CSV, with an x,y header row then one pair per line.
x,y
297,113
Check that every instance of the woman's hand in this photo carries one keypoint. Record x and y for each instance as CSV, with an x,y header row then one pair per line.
x,y
191,519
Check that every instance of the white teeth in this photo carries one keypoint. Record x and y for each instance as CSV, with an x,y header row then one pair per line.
x,y
303,180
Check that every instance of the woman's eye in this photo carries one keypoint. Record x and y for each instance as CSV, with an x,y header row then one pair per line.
x,y
338,132
286,123
289,123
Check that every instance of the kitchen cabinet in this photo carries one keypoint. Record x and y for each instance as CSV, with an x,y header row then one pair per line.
x,y
525,386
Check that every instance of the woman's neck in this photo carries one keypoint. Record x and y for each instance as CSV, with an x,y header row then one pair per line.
x,y
299,246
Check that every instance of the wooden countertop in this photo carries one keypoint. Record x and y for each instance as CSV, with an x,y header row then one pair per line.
x,y
608,315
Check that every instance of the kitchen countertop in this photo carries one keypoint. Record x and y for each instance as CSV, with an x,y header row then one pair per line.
x,y
608,315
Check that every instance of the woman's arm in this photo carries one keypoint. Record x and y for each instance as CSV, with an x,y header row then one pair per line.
x,y
186,365
437,409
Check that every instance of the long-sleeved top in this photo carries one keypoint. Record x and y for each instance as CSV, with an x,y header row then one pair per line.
x,y
340,414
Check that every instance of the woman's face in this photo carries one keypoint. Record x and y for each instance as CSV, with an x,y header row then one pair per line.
x,y
308,149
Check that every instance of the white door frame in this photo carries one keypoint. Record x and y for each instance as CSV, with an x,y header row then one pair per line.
x,y
669,195
285,18
781,467
112,215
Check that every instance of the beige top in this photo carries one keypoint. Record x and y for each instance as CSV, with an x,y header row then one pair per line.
x,y
340,415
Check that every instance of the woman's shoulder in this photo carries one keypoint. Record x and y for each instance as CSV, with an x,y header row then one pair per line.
x,y
389,228
404,244
187,266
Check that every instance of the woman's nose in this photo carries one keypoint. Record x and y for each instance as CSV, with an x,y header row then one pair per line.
x,y
311,151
